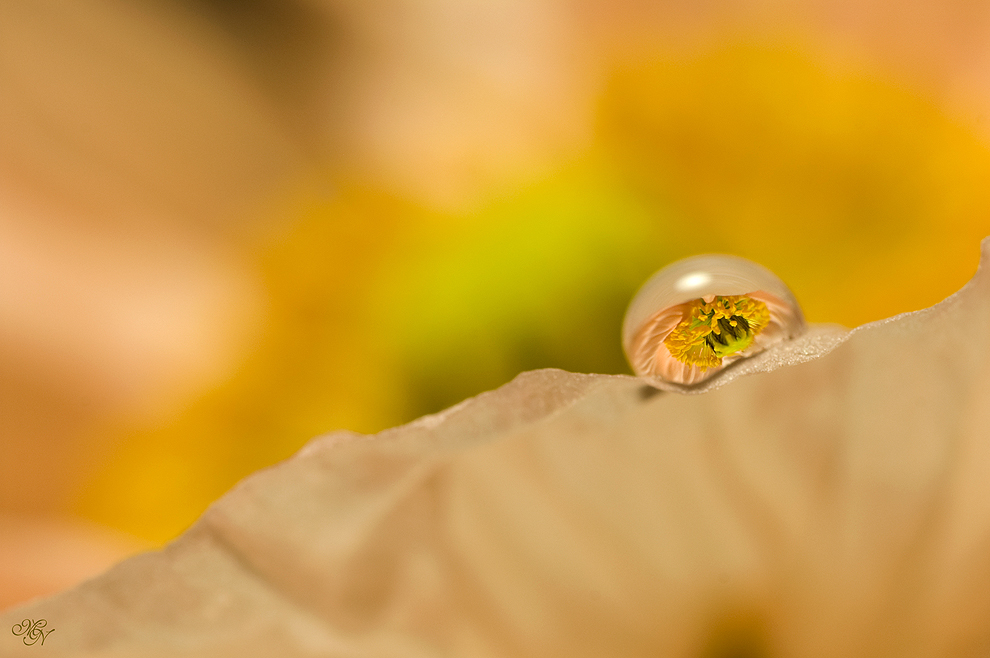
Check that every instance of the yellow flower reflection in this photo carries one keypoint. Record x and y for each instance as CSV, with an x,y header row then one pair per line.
x,y
712,329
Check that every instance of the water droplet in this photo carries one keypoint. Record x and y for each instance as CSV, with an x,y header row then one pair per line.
x,y
698,315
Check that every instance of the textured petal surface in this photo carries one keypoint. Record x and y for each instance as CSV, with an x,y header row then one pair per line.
x,y
838,506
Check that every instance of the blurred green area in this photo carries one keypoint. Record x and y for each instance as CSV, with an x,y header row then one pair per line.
x,y
866,199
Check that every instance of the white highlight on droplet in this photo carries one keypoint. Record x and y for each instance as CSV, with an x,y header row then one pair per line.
x,y
693,281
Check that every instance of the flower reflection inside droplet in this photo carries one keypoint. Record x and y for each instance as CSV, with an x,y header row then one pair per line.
x,y
698,315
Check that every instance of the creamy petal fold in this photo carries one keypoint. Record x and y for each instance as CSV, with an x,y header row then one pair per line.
x,y
834,502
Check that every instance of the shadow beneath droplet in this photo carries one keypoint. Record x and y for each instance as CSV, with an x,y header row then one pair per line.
x,y
648,392
737,635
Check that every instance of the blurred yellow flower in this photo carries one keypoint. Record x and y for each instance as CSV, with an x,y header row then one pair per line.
x,y
228,227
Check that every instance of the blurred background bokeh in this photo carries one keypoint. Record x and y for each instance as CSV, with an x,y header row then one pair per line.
x,y
228,226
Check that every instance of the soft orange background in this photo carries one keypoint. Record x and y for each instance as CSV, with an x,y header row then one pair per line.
x,y
226,228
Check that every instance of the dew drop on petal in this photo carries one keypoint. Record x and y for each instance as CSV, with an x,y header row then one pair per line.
x,y
696,316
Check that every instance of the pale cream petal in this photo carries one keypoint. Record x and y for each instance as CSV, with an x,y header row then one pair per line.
x,y
829,506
